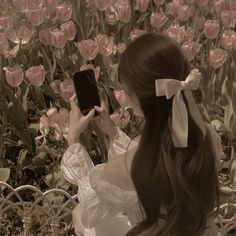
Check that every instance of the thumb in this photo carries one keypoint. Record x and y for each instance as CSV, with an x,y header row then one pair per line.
x,y
90,115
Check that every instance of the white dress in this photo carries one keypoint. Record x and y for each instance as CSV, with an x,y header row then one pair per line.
x,y
104,198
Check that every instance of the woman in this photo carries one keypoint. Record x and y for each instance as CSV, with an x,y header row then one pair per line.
x,y
166,182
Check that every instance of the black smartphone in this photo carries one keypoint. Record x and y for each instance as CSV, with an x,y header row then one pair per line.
x,y
86,90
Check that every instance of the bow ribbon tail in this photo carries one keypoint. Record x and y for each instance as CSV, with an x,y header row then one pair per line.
x,y
179,122
194,111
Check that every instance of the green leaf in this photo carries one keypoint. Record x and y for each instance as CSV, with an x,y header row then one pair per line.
x,y
39,159
56,180
142,18
4,174
49,91
233,171
113,73
228,114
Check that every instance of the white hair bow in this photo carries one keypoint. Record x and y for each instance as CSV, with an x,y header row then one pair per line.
x,y
172,87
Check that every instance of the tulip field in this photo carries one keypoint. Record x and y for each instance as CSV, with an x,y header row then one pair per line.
x,y
43,42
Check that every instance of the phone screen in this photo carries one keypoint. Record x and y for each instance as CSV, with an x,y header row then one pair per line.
x,y
86,90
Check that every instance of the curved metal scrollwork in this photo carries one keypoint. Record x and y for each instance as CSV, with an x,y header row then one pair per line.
x,y
56,211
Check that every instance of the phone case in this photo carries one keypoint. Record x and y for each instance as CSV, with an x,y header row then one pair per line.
x,y
86,90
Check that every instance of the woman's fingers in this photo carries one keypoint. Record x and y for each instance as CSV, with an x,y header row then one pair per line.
x,y
74,105
103,104
90,115
99,109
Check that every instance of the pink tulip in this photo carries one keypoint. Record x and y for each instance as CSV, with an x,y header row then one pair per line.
x,y
124,11
227,39
184,12
234,41
51,4
172,7
218,57
136,33
121,118
90,66
45,36
120,48
228,19
62,118
111,16
36,75
59,120
14,75
4,44
35,3
121,97
69,30
200,21
52,116
142,5
64,11
44,125
20,5
40,142
176,32
67,89
106,44
157,20
23,35
62,124
190,49
102,5
220,5
202,3
12,53
232,5
58,38
159,2
189,34
46,12
211,29
35,16
88,49
6,22
190,1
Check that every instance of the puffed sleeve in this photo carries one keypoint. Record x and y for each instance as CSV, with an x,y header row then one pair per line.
x,y
106,201
99,199
120,144
76,165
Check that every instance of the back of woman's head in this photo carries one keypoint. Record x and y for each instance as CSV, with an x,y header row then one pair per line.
x,y
179,185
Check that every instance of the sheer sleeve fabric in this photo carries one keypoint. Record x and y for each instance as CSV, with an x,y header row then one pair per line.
x,y
99,197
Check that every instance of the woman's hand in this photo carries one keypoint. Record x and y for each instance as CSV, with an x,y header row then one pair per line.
x,y
104,122
78,122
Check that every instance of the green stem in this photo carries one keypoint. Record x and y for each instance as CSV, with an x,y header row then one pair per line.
x,y
49,63
1,125
102,22
53,166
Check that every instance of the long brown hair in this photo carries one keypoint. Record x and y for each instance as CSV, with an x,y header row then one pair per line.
x,y
183,181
